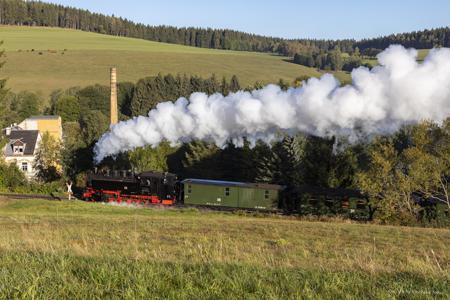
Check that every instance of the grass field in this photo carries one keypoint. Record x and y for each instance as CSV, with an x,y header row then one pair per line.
x,y
55,250
88,57
421,54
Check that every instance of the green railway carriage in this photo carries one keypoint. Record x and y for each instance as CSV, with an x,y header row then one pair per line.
x,y
231,194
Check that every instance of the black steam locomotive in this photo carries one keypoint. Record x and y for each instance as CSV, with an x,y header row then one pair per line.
x,y
128,187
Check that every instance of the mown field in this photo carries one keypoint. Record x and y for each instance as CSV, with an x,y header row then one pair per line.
x,y
56,250
44,59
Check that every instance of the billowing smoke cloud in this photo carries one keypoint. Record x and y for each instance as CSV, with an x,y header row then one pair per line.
x,y
380,100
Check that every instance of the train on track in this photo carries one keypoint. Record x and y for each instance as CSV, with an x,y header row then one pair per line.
x,y
156,188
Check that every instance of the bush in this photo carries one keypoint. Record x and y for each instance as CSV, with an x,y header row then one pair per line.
x,y
11,177
352,63
13,180
80,180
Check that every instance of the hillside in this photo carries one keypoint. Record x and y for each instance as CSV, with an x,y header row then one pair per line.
x,y
37,13
79,250
64,58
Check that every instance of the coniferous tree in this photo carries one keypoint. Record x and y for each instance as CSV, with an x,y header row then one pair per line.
x,y
93,124
268,162
28,104
283,84
68,107
201,160
234,84
283,162
236,163
3,89
150,91
5,105
225,88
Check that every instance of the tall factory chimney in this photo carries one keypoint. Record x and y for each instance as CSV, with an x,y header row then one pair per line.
x,y
113,111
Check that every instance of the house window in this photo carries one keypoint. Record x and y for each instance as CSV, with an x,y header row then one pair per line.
x,y
189,189
227,191
266,194
25,166
18,150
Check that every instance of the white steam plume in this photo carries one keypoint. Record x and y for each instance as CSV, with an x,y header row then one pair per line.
x,y
380,100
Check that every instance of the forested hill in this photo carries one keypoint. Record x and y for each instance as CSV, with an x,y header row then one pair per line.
x,y
426,39
34,13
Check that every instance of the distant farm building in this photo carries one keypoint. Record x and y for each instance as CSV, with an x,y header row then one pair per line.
x,y
24,138
21,150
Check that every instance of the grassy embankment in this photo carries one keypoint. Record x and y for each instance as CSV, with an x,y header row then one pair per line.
x,y
56,250
63,58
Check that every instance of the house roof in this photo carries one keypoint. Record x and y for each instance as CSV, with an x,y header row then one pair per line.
x,y
28,137
264,186
44,118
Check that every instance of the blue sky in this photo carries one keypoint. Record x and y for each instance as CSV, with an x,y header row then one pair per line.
x,y
289,18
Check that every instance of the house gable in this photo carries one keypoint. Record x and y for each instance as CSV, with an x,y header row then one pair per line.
x,y
22,142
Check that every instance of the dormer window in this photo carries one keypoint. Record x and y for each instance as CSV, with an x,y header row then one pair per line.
x,y
18,147
18,150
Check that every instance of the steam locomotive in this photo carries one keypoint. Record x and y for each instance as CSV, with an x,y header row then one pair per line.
x,y
165,189
127,187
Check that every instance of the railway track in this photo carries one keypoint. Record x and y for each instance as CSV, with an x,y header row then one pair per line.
x,y
30,196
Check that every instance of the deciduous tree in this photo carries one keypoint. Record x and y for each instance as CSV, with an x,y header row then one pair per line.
x,y
149,158
48,159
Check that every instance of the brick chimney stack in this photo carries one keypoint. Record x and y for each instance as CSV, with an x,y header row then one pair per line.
x,y
113,111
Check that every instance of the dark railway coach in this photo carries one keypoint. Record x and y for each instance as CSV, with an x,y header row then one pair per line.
x,y
231,194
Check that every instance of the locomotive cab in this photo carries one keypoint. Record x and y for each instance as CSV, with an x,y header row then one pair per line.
x,y
158,184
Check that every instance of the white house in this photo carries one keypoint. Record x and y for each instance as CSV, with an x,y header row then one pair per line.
x,y
21,150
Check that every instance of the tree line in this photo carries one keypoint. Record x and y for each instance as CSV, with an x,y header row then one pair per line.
x,y
333,60
424,39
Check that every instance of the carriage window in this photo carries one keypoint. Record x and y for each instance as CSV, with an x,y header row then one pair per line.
x,y
266,194
227,191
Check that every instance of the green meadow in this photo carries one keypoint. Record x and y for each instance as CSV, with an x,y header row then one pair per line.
x,y
57,250
44,59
